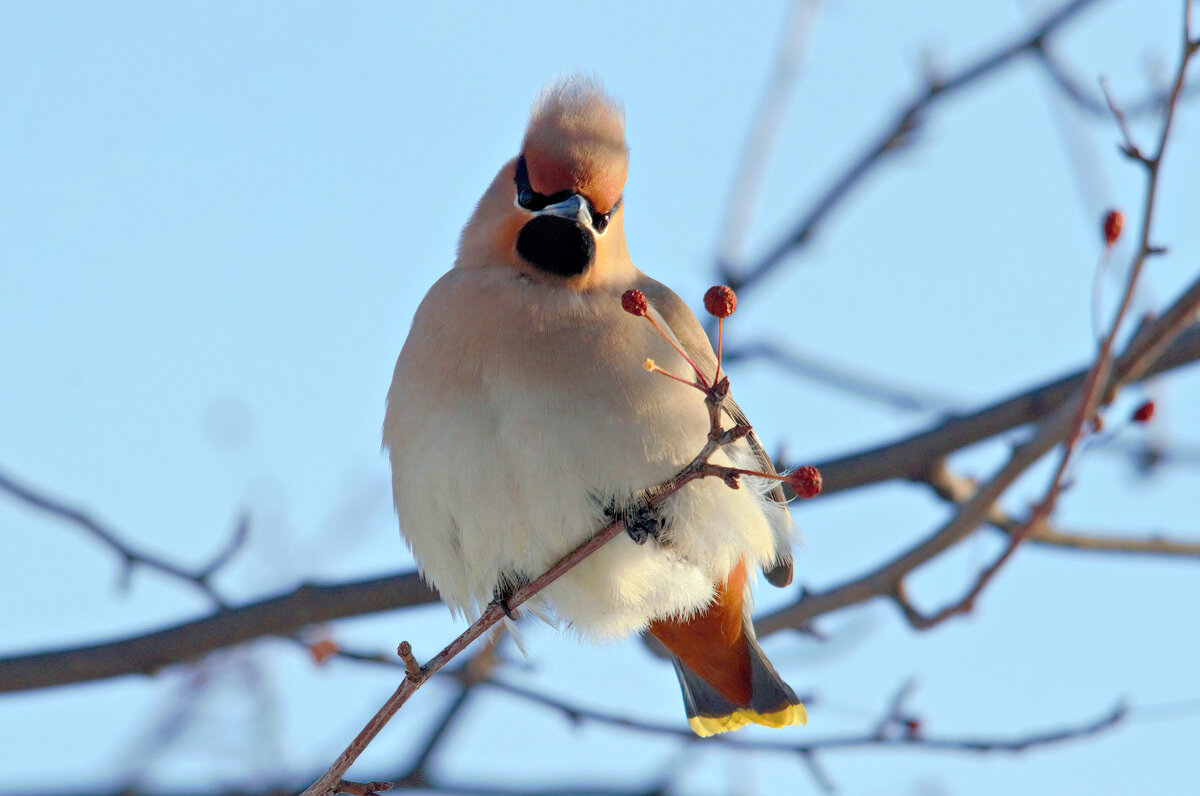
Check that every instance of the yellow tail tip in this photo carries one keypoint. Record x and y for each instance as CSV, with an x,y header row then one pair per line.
x,y
705,726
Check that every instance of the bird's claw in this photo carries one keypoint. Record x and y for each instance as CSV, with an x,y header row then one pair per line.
x,y
502,595
641,521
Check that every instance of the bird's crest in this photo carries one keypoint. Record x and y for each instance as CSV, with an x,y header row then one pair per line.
x,y
576,141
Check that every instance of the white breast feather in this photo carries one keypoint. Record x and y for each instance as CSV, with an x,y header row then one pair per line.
x,y
498,466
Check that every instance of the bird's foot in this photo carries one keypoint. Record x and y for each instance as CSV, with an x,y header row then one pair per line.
x,y
505,591
642,522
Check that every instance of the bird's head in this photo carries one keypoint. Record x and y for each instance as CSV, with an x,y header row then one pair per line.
x,y
554,213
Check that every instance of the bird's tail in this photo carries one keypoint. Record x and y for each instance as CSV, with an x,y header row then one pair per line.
x,y
726,679
772,702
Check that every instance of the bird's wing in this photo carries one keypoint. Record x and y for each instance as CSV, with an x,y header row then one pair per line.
x,y
691,336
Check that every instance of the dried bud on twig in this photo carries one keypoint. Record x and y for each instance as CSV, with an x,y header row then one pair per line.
x,y
805,481
411,667
720,301
634,302
1113,222
322,650
1144,413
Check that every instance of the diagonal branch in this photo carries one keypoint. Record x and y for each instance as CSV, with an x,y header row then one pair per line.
x,y
130,556
836,376
287,614
957,489
1099,385
978,745
147,653
899,132
1151,103
887,579
908,457
765,132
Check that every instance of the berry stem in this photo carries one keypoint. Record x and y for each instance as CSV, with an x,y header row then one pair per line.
x,y
682,353
720,347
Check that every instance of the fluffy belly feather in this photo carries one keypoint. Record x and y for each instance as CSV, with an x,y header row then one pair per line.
x,y
501,465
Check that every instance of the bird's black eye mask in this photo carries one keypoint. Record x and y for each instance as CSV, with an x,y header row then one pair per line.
x,y
533,201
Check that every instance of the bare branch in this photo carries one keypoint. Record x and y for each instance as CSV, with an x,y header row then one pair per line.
x,y
764,134
1105,543
887,579
882,732
1151,103
1129,148
899,132
838,377
285,615
131,558
1097,386
909,457
958,488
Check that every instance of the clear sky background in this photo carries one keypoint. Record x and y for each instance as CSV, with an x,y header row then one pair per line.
x,y
216,221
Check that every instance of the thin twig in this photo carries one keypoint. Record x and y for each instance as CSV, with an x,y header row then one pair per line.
x,y
886,580
764,134
837,376
958,488
147,653
959,745
906,458
1097,385
131,558
1151,103
894,714
1161,345
897,133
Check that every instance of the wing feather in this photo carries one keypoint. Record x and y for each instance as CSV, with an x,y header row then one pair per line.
x,y
691,337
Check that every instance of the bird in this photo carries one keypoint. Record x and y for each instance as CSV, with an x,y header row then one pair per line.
x,y
521,419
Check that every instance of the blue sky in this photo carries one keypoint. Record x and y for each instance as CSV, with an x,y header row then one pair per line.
x,y
217,220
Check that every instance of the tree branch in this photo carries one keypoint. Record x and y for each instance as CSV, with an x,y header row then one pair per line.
x,y
887,580
1099,385
899,132
836,376
132,558
958,488
909,457
280,616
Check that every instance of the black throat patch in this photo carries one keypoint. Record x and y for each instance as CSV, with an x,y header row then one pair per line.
x,y
557,245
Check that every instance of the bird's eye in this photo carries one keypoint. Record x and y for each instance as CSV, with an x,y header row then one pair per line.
x,y
526,196
600,220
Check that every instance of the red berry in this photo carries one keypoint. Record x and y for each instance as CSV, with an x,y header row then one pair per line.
x,y
634,302
720,301
805,481
1113,221
1144,413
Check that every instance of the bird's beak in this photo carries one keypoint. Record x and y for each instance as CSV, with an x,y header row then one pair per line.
x,y
560,238
574,208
